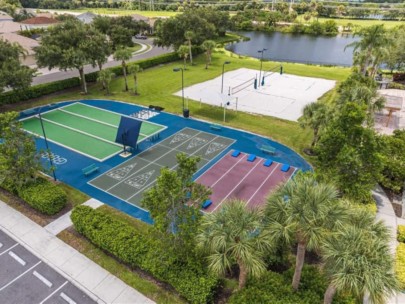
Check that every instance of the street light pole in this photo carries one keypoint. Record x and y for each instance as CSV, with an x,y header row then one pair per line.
x,y
182,85
46,145
261,63
223,67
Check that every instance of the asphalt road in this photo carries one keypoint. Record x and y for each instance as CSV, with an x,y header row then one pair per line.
x,y
25,279
60,75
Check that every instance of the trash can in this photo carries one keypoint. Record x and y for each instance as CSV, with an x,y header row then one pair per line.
x,y
186,113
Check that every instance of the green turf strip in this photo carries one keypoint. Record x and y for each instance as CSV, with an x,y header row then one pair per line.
x,y
82,124
108,117
72,139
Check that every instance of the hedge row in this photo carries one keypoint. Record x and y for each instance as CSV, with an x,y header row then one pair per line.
x,y
139,250
276,288
48,88
401,233
41,195
400,265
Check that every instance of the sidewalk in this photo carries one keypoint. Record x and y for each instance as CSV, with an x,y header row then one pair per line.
x,y
80,270
385,213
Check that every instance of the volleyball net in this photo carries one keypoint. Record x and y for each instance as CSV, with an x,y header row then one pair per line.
x,y
272,71
240,87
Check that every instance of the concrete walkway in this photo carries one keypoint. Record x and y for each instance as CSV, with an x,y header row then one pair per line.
x,y
64,221
83,272
385,212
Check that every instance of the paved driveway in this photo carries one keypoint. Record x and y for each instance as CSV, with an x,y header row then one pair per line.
x,y
25,279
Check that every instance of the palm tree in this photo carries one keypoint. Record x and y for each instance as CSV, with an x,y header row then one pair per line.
x,y
315,115
105,76
208,46
372,39
183,53
358,259
234,235
303,211
134,70
123,54
189,35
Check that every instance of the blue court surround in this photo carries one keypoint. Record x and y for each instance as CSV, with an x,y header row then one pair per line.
x,y
70,172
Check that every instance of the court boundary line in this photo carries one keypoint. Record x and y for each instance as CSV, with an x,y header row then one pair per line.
x,y
233,189
234,165
108,124
72,149
149,162
143,151
116,113
81,132
132,204
126,201
261,185
171,168
183,151
119,114
88,118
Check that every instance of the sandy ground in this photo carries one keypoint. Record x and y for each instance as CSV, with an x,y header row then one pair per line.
x,y
283,96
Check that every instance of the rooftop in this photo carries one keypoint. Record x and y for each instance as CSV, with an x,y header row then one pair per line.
x,y
39,20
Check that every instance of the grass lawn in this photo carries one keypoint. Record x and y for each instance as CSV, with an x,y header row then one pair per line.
x,y
358,22
135,48
156,86
134,278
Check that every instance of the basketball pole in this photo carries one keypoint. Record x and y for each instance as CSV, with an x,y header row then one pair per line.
x,y
46,144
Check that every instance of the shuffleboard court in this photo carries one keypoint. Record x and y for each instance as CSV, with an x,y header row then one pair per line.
x,y
129,180
85,129
236,177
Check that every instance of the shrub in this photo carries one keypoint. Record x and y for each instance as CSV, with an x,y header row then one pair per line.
x,y
401,233
139,250
400,264
276,288
396,85
44,196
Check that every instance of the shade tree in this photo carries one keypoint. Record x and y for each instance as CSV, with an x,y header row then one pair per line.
x,y
13,75
123,54
68,46
233,236
303,212
357,259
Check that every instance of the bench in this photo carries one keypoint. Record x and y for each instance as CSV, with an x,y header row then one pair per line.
x,y
285,168
268,162
268,149
90,169
216,127
235,153
206,204
251,158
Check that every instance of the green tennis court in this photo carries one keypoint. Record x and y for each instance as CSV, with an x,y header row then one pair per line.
x,y
85,129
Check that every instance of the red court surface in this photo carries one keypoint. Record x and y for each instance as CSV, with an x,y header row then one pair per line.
x,y
235,177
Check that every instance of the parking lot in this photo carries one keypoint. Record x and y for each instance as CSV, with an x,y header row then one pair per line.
x,y
24,278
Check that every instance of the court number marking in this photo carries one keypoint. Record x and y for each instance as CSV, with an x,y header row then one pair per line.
x,y
56,159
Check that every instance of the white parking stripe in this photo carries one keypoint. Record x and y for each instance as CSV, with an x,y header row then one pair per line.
x,y
1,245
5,251
17,258
44,300
42,279
11,282
66,298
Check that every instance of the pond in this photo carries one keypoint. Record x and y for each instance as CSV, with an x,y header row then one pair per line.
x,y
297,48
